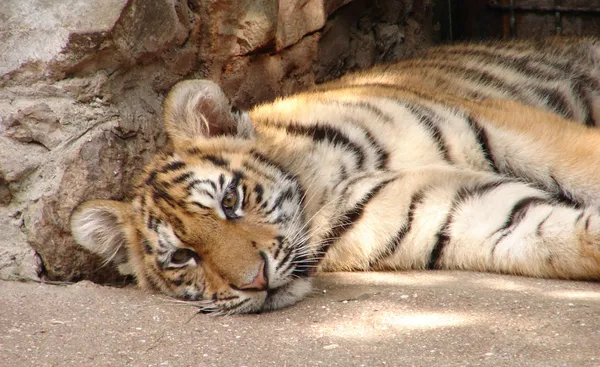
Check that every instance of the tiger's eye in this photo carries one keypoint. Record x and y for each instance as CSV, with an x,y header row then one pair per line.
x,y
182,255
229,200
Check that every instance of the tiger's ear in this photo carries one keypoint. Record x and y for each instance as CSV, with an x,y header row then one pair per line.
x,y
199,108
100,226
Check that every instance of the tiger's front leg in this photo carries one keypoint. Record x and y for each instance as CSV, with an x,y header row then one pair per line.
x,y
445,218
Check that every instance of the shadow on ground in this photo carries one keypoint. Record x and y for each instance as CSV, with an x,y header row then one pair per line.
x,y
352,319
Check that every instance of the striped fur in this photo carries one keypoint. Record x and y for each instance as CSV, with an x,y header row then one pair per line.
x,y
475,157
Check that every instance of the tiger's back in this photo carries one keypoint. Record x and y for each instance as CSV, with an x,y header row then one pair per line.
x,y
557,74
461,159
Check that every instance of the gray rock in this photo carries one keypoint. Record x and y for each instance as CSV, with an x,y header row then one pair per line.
x,y
17,259
37,31
35,124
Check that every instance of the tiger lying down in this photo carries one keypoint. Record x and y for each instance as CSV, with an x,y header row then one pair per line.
x,y
474,157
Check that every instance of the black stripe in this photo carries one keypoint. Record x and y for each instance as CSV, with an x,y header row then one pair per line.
x,y
217,161
237,177
172,166
151,178
538,230
152,223
200,205
587,223
442,235
586,103
262,159
579,217
591,83
517,214
259,190
441,242
369,107
147,247
179,281
482,140
183,177
279,240
321,132
162,265
194,151
519,210
164,245
426,118
482,189
383,156
225,309
246,196
534,66
556,102
285,259
290,264
517,63
221,181
477,75
392,246
252,168
143,207
347,220
177,225
160,194
564,196
287,194
473,74
163,184
393,87
288,175
304,266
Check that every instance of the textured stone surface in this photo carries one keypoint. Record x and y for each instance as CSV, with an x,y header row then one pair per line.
x,y
37,30
82,83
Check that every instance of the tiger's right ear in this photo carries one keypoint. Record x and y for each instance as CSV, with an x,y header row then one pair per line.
x,y
101,227
199,109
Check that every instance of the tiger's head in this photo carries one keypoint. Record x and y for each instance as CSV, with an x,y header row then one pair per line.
x,y
214,221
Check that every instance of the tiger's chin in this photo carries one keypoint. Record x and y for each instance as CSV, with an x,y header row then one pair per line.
x,y
288,294
257,302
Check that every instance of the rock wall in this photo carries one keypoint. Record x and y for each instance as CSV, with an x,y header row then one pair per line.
x,y
82,82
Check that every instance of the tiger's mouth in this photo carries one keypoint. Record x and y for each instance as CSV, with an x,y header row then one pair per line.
x,y
284,278
254,300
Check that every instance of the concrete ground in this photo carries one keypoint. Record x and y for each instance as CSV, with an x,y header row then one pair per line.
x,y
353,319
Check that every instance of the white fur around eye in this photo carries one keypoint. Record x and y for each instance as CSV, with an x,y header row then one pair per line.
x,y
238,210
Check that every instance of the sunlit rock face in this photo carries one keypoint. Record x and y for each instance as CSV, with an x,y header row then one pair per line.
x,y
82,83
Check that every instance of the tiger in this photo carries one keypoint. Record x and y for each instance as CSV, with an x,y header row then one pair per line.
x,y
479,157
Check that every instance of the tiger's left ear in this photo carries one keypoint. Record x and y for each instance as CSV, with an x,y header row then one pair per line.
x,y
199,108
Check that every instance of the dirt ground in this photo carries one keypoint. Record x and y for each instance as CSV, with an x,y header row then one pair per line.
x,y
352,319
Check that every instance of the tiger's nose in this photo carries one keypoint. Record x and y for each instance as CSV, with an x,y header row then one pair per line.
x,y
260,282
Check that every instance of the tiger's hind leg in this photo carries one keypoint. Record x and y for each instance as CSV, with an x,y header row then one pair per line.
x,y
446,218
522,230
552,153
